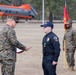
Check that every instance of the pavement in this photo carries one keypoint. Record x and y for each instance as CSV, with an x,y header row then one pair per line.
x,y
30,62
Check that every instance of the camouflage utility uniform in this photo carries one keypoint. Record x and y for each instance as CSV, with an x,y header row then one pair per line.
x,y
8,44
70,37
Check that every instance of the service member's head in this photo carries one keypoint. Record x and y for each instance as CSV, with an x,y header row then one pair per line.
x,y
11,21
48,26
68,24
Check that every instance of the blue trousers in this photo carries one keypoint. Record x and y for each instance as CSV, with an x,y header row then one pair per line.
x,y
47,66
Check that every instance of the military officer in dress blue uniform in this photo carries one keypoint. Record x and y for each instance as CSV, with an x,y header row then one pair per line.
x,y
51,49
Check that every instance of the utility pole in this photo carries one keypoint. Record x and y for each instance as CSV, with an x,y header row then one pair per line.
x,y
42,11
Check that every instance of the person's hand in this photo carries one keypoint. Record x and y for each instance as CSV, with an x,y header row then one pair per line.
x,y
54,63
26,49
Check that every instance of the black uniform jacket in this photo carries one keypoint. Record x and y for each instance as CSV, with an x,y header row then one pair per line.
x,y
51,45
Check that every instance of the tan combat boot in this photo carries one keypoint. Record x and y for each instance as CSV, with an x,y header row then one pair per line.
x,y
72,68
69,68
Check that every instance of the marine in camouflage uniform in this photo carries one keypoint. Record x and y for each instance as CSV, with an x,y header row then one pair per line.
x,y
70,38
8,44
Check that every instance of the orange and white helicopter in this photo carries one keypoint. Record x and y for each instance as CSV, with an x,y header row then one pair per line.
x,y
25,11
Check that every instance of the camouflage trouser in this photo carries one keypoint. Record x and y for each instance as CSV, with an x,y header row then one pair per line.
x,y
70,57
8,67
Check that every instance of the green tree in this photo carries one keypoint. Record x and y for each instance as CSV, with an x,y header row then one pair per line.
x,y
71,6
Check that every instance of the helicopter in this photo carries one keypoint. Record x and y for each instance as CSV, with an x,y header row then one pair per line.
x,y
24,11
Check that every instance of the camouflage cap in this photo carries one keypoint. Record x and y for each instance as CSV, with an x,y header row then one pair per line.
x,y
69,22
